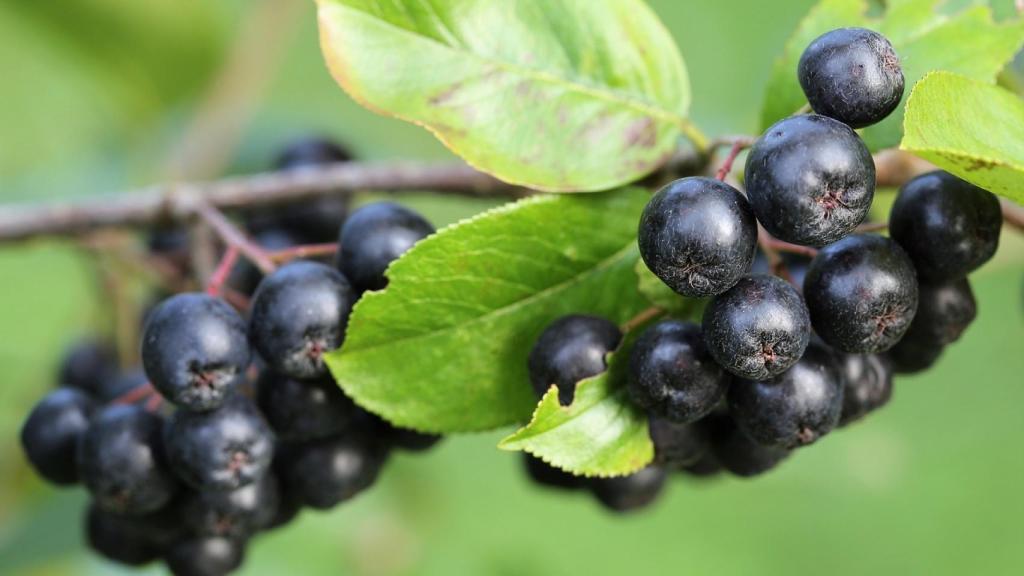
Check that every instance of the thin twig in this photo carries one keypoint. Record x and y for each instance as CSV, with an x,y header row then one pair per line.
x,y
777,245
304,251
1013,214
233,236
775,263
873,227
640,319
237,300
737,147
220,275
135,394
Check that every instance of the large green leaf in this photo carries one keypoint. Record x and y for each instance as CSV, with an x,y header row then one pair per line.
x,y
926,39
444,347
972,129
560,95
600,434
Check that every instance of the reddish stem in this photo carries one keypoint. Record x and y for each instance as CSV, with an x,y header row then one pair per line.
x,y
775,263
640,319
873,227
231,235
1013,214
216,284
738,146
154,403
135,394
238,300
305,251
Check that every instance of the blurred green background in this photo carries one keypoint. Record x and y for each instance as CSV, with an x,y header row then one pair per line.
x,y
105,95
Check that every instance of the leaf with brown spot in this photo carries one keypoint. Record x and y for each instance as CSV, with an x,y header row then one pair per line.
x,y
560,95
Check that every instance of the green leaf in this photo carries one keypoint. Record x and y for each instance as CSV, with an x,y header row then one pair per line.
x,y
926,39
520,89
659,294
443,348
600,434
972,129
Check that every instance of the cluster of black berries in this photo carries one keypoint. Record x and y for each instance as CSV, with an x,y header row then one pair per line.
x,y
255,429
777,365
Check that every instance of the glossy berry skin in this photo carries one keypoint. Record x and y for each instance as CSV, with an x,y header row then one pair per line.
x,y
678,445
118,538
944,311
629,493
852,75
949,227
50,434
672,375
867,385
235,513
304,410
220,450
570,349
194,349
758,329
373,237
86,365
698,235
910,356
547,475
810,180
862,294
121,461
738,454
324,473
205,556
795,408
298,314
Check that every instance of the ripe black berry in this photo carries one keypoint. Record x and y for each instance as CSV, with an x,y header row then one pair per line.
x,y
911,356
299,313
628,493
867,385
944,311
678,445
86,365
707,466
121,461
205,556
547,475
50,434
672,375
794,408
408,440
698,235
325,472
949,227
810,180
119,538
223,449
194,349
304,410
236,513
373,237
757,329
862,293
570,349
852,75
737,453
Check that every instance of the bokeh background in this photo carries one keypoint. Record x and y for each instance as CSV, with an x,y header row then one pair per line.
x,y
105,95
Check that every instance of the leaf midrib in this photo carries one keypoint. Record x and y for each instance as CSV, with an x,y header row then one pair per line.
x,y
607,94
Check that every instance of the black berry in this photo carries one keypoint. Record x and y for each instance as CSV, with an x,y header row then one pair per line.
x,y
121,461
852,75
794,408
571,349
118,538
373,237
862,293
304,410
298,314
671,373
547,475
757,329
810,180
324,473
194,349
867,385
949,227
698,235
944,311
632,492
50,434
236,513
678,445
87,364
737,453
223,449
911,356
205,556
